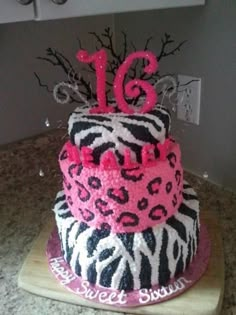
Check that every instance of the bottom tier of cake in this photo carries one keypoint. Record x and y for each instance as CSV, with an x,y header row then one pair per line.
x,y
130,261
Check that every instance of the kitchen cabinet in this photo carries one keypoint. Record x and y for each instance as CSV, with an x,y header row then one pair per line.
x,y
16,10
23,10
48,9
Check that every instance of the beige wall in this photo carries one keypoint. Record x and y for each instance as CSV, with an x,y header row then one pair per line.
x,y
23,104
210,53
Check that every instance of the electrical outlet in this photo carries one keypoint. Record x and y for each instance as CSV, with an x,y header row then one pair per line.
x,y
189,99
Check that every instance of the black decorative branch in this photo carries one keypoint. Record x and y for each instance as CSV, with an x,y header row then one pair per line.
x,y
42,84
105,40
166,41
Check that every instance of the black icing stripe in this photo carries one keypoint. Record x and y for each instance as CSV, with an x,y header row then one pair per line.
x,y
137,149
178,226
189,196
99,118
84,125
120,157
140,133
69,250
175,249
184,209
59,199
65,215
164,117
108,272
145,272
127,280
148,120
92,273
78,266
64,206
95,238
99,150
128,240
150,240
82,227
89,139
186,186
164,272
106,253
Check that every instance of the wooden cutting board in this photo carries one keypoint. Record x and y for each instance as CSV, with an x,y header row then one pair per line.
x,y
204,298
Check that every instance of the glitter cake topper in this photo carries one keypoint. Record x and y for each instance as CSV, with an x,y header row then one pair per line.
x,y
132,89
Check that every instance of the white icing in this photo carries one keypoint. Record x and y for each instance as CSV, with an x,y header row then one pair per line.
x,y
150,295
59,271
102,296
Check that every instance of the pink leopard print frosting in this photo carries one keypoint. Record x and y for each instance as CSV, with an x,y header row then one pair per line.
x,y
128,200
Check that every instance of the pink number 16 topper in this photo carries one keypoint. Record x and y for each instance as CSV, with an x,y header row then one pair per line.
x,y
131,89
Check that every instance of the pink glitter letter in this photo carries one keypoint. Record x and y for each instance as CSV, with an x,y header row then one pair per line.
x,y
100,59
134,87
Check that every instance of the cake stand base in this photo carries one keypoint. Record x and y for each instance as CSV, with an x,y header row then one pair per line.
x,y
204,298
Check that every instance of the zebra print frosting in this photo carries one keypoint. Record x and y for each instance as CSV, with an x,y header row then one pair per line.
x,y
130,261
116,132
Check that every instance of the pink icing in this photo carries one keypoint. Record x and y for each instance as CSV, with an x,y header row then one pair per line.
x,y
100,60
73,152
133,202
133,88
87,157
108,159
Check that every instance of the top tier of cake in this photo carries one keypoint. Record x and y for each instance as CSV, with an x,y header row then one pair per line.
x,y
118,132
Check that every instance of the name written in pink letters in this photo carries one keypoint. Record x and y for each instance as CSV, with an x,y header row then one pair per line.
x,y
109,160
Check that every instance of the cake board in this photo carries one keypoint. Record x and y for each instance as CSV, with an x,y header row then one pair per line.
x,y
204,298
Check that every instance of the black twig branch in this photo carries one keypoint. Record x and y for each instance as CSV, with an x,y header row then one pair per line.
x,y
166,41
106,40
43,85
125,44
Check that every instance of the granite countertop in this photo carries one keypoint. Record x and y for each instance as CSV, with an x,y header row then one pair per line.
x,y
26,199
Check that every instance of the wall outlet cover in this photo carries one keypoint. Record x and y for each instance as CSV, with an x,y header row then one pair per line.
x,y
189,99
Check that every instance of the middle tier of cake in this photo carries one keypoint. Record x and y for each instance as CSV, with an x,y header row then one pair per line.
x,y
128,199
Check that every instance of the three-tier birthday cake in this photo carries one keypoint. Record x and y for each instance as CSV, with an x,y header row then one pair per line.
x,y
127,222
